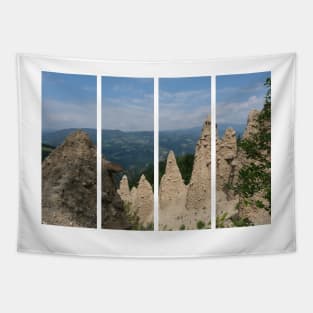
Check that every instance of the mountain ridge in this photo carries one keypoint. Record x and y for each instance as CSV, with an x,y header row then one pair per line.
x,y
124,147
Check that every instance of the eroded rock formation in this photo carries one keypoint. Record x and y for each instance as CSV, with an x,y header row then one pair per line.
x,y
226,153
199,189
230,160
69,183
124,191
69,186
183,207
144,201
114,213
187,207
226,167
139,201
252,124
172,195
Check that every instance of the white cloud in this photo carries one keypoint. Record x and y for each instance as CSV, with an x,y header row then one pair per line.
x,y
184,109
237,112
177,110
131,114
60,115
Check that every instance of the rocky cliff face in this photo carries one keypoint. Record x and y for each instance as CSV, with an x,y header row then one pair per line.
x,y
114,213
252,124
226,153
226,167
69,186
69,183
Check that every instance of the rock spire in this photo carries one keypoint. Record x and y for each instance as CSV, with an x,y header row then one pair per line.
x,y
199,189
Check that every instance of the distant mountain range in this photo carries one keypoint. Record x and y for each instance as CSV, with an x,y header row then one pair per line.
x,y
134,150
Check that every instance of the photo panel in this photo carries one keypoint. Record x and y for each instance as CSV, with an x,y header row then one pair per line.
x,y
69,157
127,153
243,150
184,153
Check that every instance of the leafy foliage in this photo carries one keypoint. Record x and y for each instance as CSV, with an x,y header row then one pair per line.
x,y
240,222
200,224
255,177
46,150
134,178
220,220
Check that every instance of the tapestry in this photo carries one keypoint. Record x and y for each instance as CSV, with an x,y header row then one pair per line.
x,y
187,158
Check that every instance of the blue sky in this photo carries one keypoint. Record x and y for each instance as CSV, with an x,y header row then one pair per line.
x,y
127,103
237,95
68,101
184,102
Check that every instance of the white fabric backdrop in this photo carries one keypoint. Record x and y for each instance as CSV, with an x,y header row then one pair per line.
x,y
274,238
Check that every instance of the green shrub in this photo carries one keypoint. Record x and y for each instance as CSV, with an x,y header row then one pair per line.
x,y
200,225
255,177
241,222
220,220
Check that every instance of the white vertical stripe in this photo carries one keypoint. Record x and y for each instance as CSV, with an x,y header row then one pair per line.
x,y
156,154
99,153
213,152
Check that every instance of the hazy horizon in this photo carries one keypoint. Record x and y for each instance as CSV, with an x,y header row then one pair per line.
x,y
138,131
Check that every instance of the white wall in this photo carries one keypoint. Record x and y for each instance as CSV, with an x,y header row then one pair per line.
x,y
163,30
